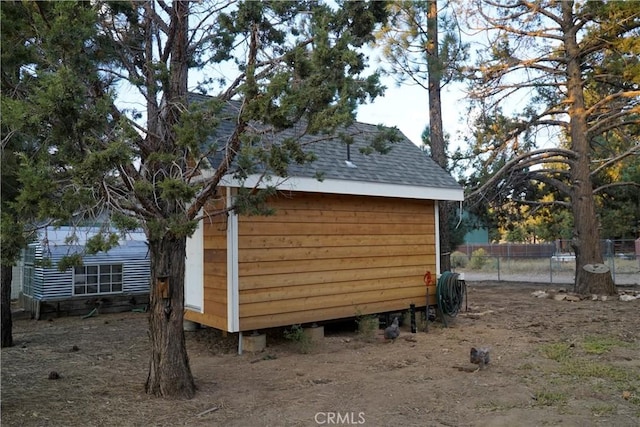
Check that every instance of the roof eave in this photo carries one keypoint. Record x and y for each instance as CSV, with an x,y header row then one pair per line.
x,y
339,186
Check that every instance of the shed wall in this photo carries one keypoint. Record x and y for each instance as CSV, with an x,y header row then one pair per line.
x,y
215,270
324,256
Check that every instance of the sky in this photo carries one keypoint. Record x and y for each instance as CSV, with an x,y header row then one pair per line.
x,y
407,108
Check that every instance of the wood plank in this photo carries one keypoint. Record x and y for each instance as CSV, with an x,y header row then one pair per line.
x,y
315,241
337,202
214,243
331,276
215,308
216,294
215,256
216,227
346,217
301,228
318,315
278,267
291,254
206,319
354,299
283,293
215,277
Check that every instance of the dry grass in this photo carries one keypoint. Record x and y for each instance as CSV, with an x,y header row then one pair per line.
x,y
626,271
553,363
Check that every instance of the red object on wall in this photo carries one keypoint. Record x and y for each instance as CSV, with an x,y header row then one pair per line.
x,y
428,281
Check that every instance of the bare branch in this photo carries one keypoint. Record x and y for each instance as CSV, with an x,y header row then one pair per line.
x,y
233,146
553,182
603,125
608,99
525,160
634,150
541,203
616,184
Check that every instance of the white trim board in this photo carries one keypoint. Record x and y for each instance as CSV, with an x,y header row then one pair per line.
x,y
233,293
340,186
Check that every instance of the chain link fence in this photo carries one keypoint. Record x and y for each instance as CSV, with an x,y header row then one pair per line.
x,y
545,263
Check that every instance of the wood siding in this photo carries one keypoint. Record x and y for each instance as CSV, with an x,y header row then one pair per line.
x,y
215,270
323,257
48,283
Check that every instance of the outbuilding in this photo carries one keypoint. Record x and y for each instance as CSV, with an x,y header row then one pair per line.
x,y
352,234
116,280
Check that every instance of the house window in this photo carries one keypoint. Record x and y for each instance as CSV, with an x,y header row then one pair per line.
x,y
97,279
28,270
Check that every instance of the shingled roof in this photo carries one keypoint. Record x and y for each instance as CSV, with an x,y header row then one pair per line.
x,y
405,171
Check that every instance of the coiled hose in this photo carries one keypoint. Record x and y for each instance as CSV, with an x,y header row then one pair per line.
x,y
450,293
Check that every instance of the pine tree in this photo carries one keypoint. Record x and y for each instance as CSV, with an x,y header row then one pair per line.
x,y
285,62
543,57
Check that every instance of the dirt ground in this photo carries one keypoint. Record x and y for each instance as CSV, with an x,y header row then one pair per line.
x,y
552,363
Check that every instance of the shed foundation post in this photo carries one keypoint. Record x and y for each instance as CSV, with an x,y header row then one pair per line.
x,y
315,333
253,343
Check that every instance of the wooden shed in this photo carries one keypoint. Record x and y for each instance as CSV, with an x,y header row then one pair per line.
x,y
117,280
357,242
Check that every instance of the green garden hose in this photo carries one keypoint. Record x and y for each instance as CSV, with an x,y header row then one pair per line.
x,y
450,293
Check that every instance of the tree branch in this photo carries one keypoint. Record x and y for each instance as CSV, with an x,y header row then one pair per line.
x,y
525,160
233,146
616,184
634,150
607,100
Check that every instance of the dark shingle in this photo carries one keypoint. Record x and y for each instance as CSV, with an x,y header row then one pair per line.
x,y
404,164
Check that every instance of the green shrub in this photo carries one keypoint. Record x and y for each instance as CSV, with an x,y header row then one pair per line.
x,y
301,341
367,326
478,259
459,259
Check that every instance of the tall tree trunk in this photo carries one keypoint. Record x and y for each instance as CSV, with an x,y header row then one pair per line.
x,y
169,371
6,275
586,237
438,149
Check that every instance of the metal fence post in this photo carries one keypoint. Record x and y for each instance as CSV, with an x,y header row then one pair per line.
x,y
613,268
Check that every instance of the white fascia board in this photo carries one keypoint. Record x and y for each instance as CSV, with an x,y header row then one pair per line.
x,y
233,293
340,186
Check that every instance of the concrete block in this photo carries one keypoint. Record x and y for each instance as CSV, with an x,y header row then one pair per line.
x,y
315,333
189,326
254,343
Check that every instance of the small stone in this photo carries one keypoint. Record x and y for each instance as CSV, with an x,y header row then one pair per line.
x,y
572,298
603,298
594,297
560,297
